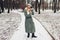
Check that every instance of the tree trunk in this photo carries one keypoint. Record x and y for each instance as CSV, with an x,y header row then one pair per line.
x,y
39,7
36,5
55,3
43,5
58,6
8,7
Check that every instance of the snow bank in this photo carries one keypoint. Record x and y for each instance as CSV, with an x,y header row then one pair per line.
x,y
51,22
8,24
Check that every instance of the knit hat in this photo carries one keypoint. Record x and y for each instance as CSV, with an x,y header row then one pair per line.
x,y
29,5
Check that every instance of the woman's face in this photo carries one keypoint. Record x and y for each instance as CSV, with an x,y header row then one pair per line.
x,y
28,6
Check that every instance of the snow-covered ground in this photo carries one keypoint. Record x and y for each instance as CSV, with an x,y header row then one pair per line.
x,y
20,34
12,25
8,24
51,21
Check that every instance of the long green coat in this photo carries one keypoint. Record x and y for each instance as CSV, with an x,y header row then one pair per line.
x,y
29,24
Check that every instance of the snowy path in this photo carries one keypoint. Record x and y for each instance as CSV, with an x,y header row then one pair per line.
x,y
40,31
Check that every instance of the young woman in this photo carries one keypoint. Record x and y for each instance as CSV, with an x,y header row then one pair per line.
x,y
29,24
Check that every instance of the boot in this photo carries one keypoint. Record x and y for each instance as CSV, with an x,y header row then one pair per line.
x,y
28,35
33,36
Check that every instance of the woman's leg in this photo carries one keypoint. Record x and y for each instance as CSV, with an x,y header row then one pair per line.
x,y
33,35
28,35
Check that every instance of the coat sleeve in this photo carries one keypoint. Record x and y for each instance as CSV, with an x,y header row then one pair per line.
x,y
32,11
26,15
25,12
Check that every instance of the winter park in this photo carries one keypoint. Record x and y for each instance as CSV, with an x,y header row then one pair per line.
x,y
29,19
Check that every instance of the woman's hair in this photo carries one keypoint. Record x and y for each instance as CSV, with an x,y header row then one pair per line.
x,y
29,5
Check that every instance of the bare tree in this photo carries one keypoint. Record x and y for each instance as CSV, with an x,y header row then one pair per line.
x,y
42,4
55,3
8,7
36,3
2,5
39,4
58,5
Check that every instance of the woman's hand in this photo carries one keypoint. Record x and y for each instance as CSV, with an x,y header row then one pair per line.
x,y
29,10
